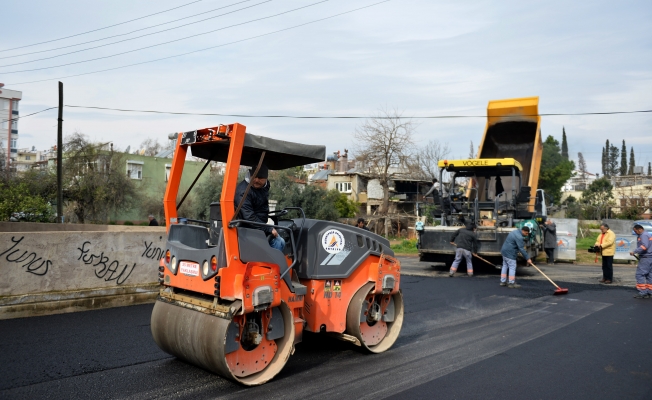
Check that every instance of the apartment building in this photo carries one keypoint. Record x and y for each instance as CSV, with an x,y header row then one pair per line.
x,y
9,100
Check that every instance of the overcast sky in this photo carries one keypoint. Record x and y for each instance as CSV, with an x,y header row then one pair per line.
x,y
424,57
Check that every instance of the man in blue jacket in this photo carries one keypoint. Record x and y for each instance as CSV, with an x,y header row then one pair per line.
x,y
644,269
512,246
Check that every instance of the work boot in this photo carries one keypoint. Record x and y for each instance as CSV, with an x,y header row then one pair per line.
x,y
451,274
503,283
642,296
513,286
470,275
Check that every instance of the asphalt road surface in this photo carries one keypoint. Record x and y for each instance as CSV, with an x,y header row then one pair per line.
x,y
463,338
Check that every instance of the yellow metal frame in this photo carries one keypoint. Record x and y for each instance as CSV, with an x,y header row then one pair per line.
x,y
471,163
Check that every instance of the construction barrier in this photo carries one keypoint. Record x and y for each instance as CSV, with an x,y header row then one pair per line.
x,y
45,272
566,239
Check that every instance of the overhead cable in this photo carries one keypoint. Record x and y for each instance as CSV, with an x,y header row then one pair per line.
x,y
172,41
134,38
106,27
348,117
23,116
204,49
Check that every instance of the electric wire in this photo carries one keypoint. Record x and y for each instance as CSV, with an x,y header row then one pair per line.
x,y
349,117
175,40
28,115
106,27
206,48
129,33
113,36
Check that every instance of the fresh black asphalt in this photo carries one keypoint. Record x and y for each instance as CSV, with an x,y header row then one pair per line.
x,y
463,338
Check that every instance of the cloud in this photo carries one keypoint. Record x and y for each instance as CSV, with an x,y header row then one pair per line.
x,y
423,57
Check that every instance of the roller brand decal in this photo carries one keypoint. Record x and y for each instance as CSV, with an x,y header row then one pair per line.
x,y
475,163
333,241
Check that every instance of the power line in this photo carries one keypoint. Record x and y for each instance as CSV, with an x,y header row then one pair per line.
x,y
172,41
129,33
206,48
106,27
346,117
28,115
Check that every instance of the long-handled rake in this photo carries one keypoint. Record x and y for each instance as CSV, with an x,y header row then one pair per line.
x,y
558,291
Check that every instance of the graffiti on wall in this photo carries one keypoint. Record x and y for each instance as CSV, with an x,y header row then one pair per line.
x,y
105,268
30,260
154,253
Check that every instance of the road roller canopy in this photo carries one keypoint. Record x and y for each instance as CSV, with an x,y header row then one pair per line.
x,y
279,153
481,167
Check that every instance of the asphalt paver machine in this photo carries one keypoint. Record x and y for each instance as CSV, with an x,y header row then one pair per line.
x,y
235,306
501,190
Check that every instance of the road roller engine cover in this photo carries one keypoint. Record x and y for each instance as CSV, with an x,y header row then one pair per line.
x,y
235,306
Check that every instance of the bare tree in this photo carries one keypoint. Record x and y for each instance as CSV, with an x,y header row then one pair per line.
x,y
384,143
427,158
151,147
471,151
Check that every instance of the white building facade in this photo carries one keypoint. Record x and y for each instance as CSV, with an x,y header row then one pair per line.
x,y
9,100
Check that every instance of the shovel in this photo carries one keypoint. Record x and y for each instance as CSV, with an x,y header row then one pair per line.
x,y
558,291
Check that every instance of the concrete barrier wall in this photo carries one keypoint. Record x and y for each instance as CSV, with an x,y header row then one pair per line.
x,y
44,272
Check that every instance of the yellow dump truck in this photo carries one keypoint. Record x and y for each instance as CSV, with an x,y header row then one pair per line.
x,y
500,192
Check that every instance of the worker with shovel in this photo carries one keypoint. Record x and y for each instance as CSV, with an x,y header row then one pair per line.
x,y
467,243
512,246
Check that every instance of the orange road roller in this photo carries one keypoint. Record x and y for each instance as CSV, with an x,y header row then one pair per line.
x,y
235,306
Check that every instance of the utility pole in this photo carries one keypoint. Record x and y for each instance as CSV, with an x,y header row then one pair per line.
x,y
60,157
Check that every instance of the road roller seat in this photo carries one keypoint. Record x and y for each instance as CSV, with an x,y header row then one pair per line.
x,y
254,247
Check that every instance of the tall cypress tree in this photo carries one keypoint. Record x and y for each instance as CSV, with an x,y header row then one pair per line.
x,y
607,159
604,162
632,163
623,159
564,144
649,169
613,161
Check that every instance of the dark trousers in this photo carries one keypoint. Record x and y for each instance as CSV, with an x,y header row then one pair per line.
x,y
608,268
550,254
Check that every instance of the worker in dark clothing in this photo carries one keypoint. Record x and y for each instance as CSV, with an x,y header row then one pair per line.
x,y
549,240
152,220
499,186
255,207
466,241
361,224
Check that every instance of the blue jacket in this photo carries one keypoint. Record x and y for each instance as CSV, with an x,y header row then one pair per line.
x,y
643,244
513,245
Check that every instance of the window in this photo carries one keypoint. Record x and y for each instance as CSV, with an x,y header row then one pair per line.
x,y
42,157
135,169
168,167
4,104
14,124
14,105
4,124
343,187
14,143
28,158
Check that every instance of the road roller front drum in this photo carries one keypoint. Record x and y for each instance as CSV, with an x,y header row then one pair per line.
x,y
239,349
